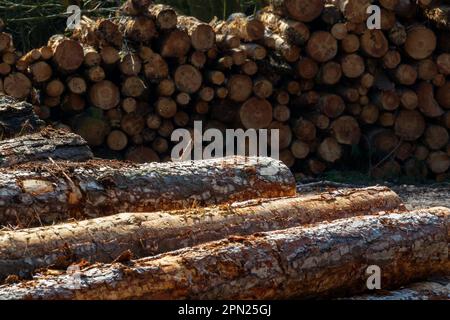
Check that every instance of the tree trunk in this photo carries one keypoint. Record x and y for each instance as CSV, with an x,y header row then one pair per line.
x,y
433,289
202,35
17,118
289,263
100,188
48,143
147,234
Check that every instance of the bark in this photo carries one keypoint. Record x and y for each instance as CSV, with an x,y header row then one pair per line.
x,y
100,188
284,264
246,28
48,143
147,234
431,289
17,118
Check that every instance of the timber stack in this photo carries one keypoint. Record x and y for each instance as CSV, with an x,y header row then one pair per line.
x,y
333,87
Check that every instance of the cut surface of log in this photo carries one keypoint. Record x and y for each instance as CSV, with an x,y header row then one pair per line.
x,y
146,234
289,263
431,289
98,188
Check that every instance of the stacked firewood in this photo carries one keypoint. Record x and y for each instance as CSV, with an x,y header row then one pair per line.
x,y
332,87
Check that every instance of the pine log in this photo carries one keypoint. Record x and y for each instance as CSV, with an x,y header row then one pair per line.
x,y
346,130
420,42
409,125
301,10
295,32
246,28
222,269
321,46
175,44
165,16
374,43
17,118
255,113
17,85
354,11
427,102
431,289
100,188
187,78
443,95
239,87
202,34
330,73
104,95
331,105
148,234
436,137
141,29
68,54
48,143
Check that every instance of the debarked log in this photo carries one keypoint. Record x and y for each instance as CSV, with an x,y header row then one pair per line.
x,y
146,234
39,194
302,262
433,289
42,146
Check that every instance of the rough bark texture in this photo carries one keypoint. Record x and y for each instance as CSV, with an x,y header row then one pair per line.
x,y
48,143
35,194
17,118
433,289
302,262
147,234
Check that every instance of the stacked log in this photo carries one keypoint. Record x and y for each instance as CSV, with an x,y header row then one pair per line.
x,y
321,260
334,88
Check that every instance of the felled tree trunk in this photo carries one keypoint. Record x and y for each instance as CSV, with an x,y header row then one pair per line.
x,y
36,194
147,234
433,289
17,118
302,262
48,143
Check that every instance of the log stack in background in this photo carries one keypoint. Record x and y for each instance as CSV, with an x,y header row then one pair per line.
x,y
332,87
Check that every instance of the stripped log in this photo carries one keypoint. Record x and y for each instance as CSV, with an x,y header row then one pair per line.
x,y
17,118
322,260
48,143
63,190
146,234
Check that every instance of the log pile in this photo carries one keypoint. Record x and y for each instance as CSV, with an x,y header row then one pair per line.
x,y
321,260
314,71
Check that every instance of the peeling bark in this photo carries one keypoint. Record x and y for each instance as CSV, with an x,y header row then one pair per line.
x,y
39,194
48,143
17,118
302,262
434,289
147,234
